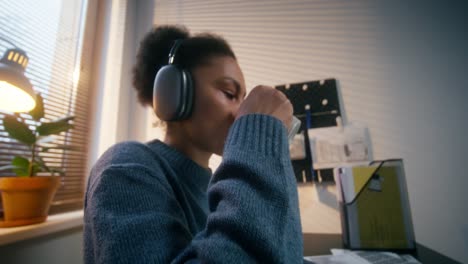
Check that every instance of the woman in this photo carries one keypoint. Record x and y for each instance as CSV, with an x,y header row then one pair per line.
x,y
160,203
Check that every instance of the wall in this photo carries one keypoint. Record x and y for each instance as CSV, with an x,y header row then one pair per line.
x,y
59,248
117,114
401,68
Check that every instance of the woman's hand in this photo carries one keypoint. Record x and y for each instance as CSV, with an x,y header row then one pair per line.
x,y
269,101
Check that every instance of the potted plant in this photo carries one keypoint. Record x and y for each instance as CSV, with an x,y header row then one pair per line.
x,y
26,198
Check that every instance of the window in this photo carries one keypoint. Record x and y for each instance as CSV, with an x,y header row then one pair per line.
x,y
52,34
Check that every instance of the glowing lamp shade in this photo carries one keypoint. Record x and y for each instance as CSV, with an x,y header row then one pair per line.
x,y
16,93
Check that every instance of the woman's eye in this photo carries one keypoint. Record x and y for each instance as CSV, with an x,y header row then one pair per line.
x,y
229,95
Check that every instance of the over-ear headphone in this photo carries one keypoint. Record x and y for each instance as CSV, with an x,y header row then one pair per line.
x,y
173,90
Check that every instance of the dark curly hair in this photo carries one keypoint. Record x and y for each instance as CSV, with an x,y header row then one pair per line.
x,y
154,49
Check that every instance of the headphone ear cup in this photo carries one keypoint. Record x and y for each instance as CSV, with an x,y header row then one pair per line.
x,y
189,95
172,93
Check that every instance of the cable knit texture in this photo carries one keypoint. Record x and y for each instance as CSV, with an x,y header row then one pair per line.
x,y
148,203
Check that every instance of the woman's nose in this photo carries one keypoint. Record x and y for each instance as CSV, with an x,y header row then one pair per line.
x,y
233,112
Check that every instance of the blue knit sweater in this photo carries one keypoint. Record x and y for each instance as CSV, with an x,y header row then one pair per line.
x,y
148,203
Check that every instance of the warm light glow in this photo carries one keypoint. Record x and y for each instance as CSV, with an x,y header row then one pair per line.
x,y
76,77
14,99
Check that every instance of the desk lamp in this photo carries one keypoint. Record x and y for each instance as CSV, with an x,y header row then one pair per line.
x,y
16,93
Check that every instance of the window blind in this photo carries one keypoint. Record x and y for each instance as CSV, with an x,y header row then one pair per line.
x,y
51,32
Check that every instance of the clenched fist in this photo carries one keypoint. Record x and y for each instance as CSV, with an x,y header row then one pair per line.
x,y
269,101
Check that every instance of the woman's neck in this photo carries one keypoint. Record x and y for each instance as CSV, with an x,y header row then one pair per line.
x,y
180,143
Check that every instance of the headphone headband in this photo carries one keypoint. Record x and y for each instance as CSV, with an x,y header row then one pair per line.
x,y
174,49
173,90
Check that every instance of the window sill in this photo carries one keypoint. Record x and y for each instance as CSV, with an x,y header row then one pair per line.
x,y
54,223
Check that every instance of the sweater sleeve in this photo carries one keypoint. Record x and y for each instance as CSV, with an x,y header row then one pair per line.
x,y
132,217
254,214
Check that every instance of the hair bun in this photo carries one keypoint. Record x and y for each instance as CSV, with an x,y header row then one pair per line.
x,y
152,55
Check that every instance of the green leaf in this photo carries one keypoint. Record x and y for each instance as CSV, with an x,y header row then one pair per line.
x,y
21,164
36,168
38,112
18,130
55,127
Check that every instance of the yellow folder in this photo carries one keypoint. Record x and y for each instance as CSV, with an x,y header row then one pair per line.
x,y
375,210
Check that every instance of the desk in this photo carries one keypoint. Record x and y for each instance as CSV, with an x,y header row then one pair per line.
x,y
320,244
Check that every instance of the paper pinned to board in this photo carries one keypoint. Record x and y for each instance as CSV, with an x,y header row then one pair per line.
x,y
297,147
333,147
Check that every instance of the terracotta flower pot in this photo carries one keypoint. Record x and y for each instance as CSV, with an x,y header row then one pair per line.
x,y
26,200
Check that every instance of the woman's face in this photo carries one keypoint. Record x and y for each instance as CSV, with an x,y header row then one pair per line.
x,y
219,91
